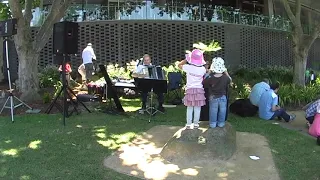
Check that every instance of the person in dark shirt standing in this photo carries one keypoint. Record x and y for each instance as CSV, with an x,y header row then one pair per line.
x,y
217,83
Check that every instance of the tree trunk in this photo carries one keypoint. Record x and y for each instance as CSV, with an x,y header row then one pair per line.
x,y
300,65
28,74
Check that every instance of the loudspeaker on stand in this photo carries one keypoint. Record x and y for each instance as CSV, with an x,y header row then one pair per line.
x,y
65,38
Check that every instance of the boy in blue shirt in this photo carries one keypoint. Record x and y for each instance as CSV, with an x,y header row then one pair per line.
x,y
269,108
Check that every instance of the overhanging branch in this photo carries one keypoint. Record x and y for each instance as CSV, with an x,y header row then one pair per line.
x,y
57,11
289,12
16,9
298,12
314,35
27,10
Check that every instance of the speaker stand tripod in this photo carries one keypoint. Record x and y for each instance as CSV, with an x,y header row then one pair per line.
x,y
67,91
11,96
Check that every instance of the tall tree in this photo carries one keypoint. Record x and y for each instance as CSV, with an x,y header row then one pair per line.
x,y
28,48
301,41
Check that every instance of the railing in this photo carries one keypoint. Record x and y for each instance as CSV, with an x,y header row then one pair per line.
x,y
143,11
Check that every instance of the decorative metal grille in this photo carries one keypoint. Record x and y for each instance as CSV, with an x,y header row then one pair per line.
x,y
166,41
262,47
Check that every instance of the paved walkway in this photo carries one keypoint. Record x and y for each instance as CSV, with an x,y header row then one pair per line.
x,y
299,124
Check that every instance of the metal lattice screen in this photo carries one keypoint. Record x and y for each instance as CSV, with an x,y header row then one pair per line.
x,y
262,47
166,41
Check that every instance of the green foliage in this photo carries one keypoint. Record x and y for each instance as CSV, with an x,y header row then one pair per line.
x,y
46,97
4,12
297,96
115,71
240,89
57,86
273,73
211,47
290,95
49,76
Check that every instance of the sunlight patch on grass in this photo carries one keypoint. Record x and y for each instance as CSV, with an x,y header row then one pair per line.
x,y
110,144
10,152
8,141
130,100
25,177
34,144
123,138
98,129
190,172
116,140
223,175
78,126
101,135
131,108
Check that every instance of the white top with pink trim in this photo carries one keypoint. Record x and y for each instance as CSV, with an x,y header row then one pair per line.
x,y
194,76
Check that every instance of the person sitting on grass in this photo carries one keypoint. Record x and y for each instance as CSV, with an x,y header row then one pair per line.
x,y
269,107
311,111
257,90
314,129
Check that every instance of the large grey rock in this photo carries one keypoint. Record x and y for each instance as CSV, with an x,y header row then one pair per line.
x,y
203,143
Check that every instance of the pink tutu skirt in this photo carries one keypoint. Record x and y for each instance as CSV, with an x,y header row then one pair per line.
x,y
194,97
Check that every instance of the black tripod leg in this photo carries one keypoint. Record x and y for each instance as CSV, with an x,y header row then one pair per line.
x,y
79,101
74,103
54,102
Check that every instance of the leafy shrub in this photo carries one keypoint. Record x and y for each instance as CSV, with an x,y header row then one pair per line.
x,y
273,73
297,96
46,97
57,86
49,76
115,71
240,89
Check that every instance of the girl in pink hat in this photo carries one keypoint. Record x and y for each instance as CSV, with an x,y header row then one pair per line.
x,y
194,98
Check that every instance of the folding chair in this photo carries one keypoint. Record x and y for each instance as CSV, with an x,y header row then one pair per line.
x,y
175,86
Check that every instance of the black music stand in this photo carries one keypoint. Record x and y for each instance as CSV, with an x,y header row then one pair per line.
x,y
151,85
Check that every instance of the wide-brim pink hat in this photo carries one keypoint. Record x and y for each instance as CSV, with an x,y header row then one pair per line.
x,y
196,58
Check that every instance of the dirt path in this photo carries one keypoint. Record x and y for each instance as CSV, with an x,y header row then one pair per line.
x,y
299,124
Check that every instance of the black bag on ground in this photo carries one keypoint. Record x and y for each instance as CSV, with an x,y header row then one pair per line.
x,y
243,108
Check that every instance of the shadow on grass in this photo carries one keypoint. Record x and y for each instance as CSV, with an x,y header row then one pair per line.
x,y
40,147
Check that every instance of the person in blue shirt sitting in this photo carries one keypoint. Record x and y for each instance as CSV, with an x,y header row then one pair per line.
x,y
269,107
257,90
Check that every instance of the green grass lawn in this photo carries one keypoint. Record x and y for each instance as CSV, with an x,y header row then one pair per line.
x,y
39,147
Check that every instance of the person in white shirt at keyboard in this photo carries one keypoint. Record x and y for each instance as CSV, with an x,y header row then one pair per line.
x,y
144,95
87,57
